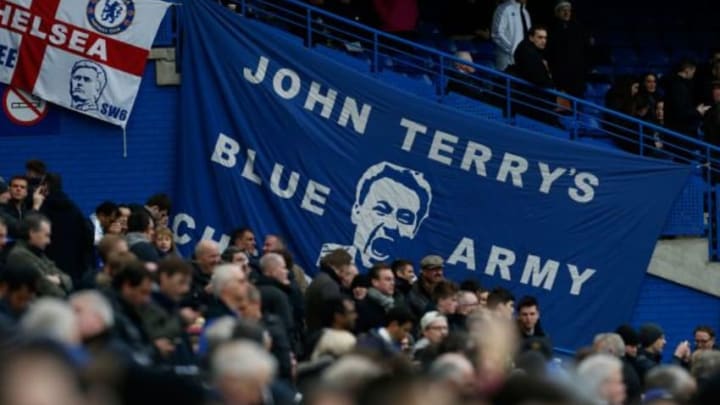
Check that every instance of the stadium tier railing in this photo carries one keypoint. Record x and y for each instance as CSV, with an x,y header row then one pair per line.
x,y
515,100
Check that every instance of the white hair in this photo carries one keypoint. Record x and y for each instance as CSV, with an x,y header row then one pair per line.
x,y
51,318
335,343
674,379
350,372
596,369
269,259
222,275
98,303
219,332
204,245
243,359
705,363
609,343
452,367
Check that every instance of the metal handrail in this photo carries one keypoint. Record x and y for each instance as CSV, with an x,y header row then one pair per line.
x,y
443,63
446,56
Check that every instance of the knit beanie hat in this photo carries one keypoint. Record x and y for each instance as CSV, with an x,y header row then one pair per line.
x,y
562,3
361,280
649,333
629,335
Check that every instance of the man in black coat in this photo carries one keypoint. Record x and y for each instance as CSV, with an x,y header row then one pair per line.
x,y
72,244
326,286
132,287
711,126
568,51
530,65
380,299
681,113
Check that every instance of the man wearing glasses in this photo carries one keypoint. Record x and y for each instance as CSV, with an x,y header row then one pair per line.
x,y
705,338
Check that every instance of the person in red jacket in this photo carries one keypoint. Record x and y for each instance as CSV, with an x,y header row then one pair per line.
x,y
397,16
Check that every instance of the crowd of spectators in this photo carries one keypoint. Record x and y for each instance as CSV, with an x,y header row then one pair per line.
x,y
687,101
105,309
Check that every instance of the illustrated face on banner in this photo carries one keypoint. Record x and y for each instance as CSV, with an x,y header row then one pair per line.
x,y
87,82
391,202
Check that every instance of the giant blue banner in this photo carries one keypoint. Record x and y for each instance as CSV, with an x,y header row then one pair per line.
x,y
286,141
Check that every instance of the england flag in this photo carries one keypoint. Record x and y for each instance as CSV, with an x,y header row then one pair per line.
x,y
85,55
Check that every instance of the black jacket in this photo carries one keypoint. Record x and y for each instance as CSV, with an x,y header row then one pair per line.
x,y
281,348
12,216
197,298
530,65
568,50
631,380
130,330
276,299
402,287
162,320
680,112
325,286
418,299
645,361
71,247
371,315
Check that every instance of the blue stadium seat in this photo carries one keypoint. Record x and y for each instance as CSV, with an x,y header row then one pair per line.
x,y
624,56
527,123
359,63
472,106
600,142
656,58
413,84
600,89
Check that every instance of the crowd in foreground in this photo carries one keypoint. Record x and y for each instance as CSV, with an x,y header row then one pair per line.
x,y
104,310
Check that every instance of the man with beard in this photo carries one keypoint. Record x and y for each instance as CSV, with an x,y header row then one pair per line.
x,y
431,273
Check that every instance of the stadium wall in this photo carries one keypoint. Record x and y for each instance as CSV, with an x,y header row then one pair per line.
x,y
89,154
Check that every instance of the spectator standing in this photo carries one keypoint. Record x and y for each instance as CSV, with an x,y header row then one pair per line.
x,y
530,62
530,65
71,247
510,25
326,286
681,113
467,19
399,17
568,50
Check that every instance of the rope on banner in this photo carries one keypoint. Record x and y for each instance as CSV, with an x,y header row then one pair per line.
x,y
124,142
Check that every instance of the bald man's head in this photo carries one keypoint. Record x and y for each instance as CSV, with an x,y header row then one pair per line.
x,y
207,255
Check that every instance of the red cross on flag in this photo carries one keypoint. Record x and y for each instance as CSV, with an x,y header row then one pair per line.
x,y
85,55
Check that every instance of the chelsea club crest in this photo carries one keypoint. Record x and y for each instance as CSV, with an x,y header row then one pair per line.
x,y
110,16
